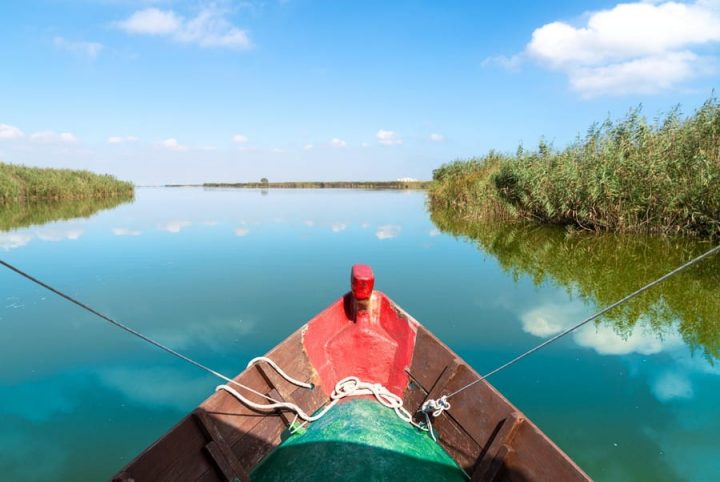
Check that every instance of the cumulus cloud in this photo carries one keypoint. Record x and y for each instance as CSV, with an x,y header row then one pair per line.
x,y
605,341
669,386
8,132
60,235
240,139
10,241
335,142
126,232
509,63
88,50
121,139
174,226
172,144
209,28
550,319
388,138
640,47
435,137
337,227
52,137
387,231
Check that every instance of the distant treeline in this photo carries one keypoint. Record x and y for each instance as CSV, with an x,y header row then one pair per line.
x,y
21,183
626,176
324,185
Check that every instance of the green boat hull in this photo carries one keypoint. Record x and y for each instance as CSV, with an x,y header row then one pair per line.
x,y
358,440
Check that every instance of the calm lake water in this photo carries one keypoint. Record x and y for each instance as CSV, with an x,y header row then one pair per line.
x,y
224,275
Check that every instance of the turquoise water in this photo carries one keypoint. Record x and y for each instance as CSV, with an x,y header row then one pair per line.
x,y
224,275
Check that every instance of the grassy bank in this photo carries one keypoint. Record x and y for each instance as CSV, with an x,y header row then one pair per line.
x,y
20,183
625,176
324,185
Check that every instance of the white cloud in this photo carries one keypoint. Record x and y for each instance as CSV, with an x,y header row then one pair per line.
x,y
335,142
509,63
641,47
434,232
51,137
209,28
388,138
60,235
152,21
126,232
308,147
605,341
309,223
88,50
337,227
8,132
174,226
121,139
157,387
670,385
10,241
552,318
241,232
387,231
435,137
240,139
646,75
172,144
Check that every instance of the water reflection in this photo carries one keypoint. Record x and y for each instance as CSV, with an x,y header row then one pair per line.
x,y
603,268
24,214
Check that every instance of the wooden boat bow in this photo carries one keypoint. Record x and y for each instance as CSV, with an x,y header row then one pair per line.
x,y
363,334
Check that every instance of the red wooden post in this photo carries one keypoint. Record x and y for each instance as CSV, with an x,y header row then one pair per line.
x,y
362,281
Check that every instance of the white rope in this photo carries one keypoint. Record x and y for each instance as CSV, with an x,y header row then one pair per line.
x,y
434,408
347,387
280,371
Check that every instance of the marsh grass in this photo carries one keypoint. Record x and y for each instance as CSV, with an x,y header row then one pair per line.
x,y
626,176
21,183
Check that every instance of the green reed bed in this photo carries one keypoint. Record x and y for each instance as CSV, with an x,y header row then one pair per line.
x,y
627,176
21,183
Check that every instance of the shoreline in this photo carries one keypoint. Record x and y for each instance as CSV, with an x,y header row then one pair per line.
x,y
400,185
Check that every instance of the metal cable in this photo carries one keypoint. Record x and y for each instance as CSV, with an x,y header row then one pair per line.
x,y
591,318
132,331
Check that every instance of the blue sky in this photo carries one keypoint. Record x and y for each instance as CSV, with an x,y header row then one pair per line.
x,y
192,91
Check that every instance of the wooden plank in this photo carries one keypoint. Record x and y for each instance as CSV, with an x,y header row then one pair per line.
x,y
492,460
430,358
176,457
450,435
219,450
535,457
254,446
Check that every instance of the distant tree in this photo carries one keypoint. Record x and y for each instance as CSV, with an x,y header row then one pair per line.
x,y
264,180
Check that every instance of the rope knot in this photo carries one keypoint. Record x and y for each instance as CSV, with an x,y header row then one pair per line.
x,y
436,407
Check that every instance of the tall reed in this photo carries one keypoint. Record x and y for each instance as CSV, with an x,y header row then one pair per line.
x,y
625,176
21,183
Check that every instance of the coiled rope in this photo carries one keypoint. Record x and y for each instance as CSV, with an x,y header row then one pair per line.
x,y
347,387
